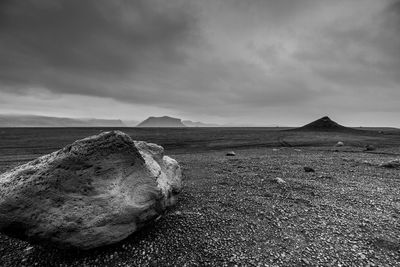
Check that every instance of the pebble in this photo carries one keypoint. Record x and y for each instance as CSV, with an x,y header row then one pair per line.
x,y
309,169
280,181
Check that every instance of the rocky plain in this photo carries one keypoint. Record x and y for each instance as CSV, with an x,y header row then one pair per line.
x,y
261,206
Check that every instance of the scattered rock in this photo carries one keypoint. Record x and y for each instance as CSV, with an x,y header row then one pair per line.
x,y
94,192
370,148
279,180
28,250
231,154
366,162
339,143
309,169
391,164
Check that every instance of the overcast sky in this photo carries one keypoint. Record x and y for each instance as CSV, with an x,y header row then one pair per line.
x,y
259,62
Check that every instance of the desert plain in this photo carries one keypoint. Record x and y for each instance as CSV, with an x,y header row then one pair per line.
x,y
233,211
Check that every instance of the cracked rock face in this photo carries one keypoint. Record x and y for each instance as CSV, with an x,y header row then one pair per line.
x,y
94,192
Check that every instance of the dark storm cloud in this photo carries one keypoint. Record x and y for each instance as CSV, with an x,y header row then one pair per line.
x,y
69,46
222,58
357,55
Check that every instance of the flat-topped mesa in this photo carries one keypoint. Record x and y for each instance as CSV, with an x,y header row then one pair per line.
x,y
164,121
94,192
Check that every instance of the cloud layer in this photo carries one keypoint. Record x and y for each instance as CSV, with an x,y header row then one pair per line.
x,y
255,61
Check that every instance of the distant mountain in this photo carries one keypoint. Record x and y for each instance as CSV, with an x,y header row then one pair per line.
x,y
102,123
325,124
130,123
189,123
44,121
164,121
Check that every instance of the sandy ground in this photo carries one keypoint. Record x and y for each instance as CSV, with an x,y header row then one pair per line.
x,y
233,212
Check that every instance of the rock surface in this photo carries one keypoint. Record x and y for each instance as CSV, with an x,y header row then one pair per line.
x,y
94,192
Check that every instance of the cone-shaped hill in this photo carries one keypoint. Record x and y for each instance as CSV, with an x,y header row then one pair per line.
x,y
327,125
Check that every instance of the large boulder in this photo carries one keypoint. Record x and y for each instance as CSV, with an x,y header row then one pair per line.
x,y
94,192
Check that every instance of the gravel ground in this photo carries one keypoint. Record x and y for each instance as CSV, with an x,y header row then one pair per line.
x,y
234,212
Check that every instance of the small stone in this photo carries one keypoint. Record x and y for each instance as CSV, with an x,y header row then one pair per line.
x,y
28,250
370,148
340,143
279,180
305,261
391,164
231,154
309,169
